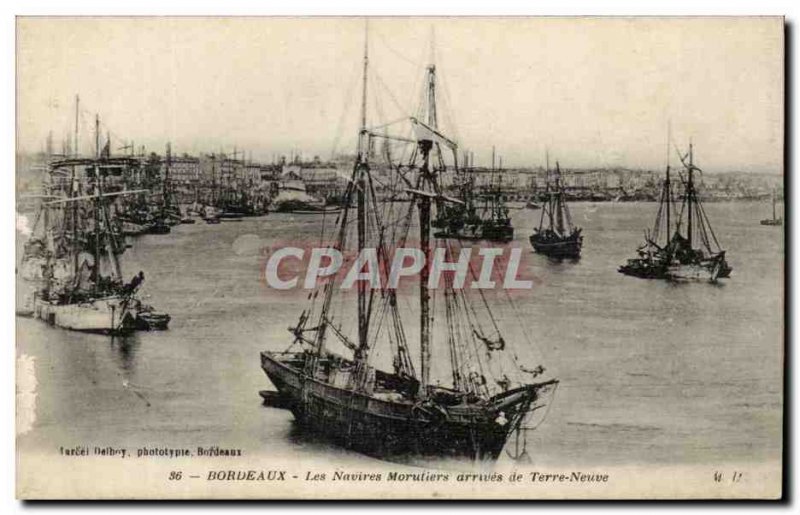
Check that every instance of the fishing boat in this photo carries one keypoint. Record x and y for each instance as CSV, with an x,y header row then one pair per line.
x,y
684,250
480,215
358,385
81,287
775,220
230,194
556,235
80,297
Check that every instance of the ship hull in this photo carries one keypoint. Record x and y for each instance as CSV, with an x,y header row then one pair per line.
x,y
133,229
401,428
569,247
502,234
159,228
707,270
109,315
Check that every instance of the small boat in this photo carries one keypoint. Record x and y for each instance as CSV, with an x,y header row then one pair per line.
x,y
158,227
274,399
149,320
556,236
532,205
775,220
187,221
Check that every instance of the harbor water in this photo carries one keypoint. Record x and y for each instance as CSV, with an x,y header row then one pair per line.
x,y
650,371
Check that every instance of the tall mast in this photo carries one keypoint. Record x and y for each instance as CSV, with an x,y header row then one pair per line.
x,y
547,189
558,201
97,136
690,195
425,238
667,187
432,121
96,271
667,199
547,165
165,185
361,169
424,295
74,213
364,87
77,111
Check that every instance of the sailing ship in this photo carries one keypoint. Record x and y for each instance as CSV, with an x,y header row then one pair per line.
x,y
230,195
775,220
687,249
556,235
331,379
479,216
75,253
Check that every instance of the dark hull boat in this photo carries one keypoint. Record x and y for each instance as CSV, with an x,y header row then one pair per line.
x,y
686,250
712,268
149,320
333,376
487,230
498,230
556,236
386,423
158,227
556,246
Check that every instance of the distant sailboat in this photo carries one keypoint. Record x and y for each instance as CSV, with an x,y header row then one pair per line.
x,y
775,220
674,253
556,236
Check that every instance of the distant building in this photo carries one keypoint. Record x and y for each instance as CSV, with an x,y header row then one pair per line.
x,y
184,170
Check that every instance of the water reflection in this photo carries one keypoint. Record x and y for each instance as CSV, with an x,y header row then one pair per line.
x,y
123,353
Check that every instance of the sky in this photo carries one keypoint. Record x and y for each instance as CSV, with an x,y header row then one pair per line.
x,y
589,92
